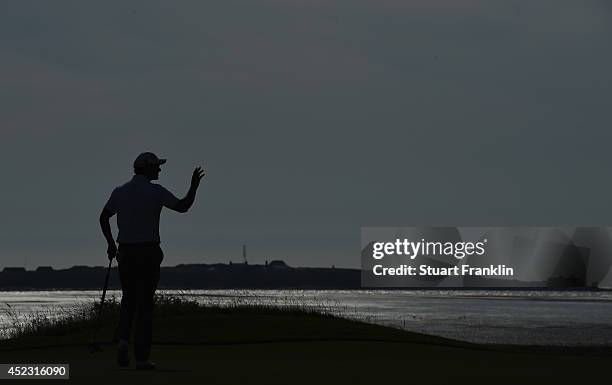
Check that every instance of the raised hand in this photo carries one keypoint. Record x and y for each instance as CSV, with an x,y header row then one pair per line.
x,y
197,176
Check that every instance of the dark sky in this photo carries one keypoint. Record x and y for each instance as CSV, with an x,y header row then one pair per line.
x,y
312,119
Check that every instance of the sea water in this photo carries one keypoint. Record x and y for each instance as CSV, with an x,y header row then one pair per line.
x,y
527,317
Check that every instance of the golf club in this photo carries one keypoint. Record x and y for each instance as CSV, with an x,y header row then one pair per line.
x,y
94,346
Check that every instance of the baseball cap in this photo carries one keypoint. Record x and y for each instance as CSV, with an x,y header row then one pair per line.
x,y
148,159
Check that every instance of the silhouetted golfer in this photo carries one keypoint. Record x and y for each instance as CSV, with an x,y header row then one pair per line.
x,y
138,204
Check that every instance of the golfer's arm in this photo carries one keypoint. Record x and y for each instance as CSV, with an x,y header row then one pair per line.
x,y
184,204
105,226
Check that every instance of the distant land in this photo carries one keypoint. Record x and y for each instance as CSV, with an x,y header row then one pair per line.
x,y
273,275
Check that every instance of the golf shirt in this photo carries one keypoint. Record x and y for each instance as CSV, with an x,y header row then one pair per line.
x,y
138,204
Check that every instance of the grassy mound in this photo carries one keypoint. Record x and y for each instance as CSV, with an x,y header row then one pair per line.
x,y
179,319
282,345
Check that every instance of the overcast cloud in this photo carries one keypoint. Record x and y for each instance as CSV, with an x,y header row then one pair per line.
x,y
312,119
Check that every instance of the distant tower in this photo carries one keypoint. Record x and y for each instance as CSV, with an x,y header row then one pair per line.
x,y
244,254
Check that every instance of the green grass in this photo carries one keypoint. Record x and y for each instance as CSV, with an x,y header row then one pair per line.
x,y
69,325
244,343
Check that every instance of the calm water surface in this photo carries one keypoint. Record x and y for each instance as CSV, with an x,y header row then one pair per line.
x,y
515,317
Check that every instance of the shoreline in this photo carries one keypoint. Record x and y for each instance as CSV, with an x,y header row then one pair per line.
x,y
373,289
209,346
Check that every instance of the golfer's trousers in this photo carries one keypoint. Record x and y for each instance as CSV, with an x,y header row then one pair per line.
x,y
139,274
